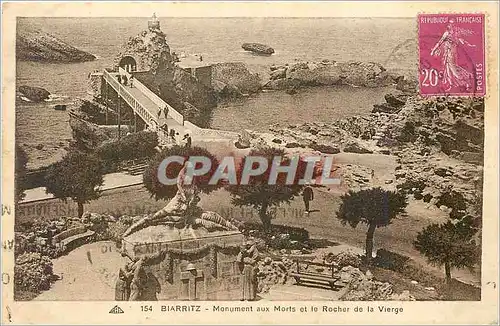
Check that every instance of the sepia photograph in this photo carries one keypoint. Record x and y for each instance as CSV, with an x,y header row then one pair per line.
x,y
249,159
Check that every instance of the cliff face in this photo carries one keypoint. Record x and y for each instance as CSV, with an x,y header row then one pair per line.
x,y
35,45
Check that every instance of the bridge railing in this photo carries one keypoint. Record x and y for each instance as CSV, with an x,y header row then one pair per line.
x,y
145,115
155,98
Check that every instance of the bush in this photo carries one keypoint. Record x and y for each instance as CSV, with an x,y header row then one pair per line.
x,y
344,258
278,236
406,266
391,260
33,272
116,230
134,146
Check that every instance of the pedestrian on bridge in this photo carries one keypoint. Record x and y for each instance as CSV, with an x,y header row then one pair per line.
x,y
165,111
131,81
159,113
125,80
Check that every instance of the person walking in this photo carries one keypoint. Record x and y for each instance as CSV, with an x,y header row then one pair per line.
x,y
125,80
187,139
119,79
165,112
307,196
159,113
131,81
172,135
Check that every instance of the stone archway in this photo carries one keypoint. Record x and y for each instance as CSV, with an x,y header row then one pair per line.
x,y
128,63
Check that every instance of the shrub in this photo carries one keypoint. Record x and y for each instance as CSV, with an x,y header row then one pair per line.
x,y
391,260
344,258
278,236
33,272
134,146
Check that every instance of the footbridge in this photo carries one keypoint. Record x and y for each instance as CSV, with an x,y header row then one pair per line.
x,y
146,105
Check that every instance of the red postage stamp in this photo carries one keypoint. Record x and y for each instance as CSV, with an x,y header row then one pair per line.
x,y
452,54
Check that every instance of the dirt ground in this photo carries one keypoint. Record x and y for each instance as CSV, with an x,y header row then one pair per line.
x,y
78,271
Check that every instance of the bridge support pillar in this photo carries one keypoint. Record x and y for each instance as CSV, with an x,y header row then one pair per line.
x,y
106,104
119,117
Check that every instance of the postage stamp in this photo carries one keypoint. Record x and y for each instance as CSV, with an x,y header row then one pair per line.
x,y
452,54
237,163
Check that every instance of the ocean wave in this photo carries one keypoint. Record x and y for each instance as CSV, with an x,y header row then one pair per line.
x,y
55,98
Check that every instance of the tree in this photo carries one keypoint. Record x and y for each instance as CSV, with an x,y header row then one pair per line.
x,y
162,191
261,195
77,176
375,207
20,173
450,244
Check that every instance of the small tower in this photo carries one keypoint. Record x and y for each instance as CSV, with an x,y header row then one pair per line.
x,y
154,23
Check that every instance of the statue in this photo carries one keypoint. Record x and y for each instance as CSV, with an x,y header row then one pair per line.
x,y
134,283
130,278
247,259
182,210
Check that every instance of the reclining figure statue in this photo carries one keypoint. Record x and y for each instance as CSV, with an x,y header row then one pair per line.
x,y
182,210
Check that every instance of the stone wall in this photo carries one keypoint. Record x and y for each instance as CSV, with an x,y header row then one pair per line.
x,y
217,274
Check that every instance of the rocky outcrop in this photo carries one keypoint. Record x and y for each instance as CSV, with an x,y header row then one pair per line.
x,y
363,287
150,51
393,104
438,144
33,94
234,79
327,73
258,48
35,45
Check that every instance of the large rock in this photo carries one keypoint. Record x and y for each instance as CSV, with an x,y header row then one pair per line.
x,y
258,48
354,147
328,73
325,147
34,94
150,51
236,77
35,45
369,74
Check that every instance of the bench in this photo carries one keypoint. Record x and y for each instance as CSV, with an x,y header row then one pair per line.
x,y
73,238
302,276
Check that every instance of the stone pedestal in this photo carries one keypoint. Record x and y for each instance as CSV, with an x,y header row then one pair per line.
x,y
194,265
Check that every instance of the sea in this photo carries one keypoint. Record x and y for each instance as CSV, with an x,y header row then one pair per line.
x,y
45,133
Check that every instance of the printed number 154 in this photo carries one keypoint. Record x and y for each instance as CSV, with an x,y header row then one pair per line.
x,y
147,308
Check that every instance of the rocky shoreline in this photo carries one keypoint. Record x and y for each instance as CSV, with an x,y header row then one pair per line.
x,y
38,46
438,145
